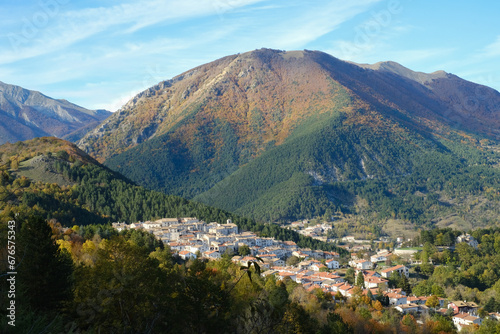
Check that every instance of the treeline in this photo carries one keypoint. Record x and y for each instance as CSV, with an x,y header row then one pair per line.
x,y
72,281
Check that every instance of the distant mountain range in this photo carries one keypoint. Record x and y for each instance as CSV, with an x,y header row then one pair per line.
x,y
283,135
27,114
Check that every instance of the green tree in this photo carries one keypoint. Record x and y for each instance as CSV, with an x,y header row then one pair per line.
x,y
125,291
360,280
437,290
244,250
44,272
336,325
349,275
404,284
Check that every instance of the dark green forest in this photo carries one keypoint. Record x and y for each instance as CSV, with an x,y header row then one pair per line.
x,y
324,165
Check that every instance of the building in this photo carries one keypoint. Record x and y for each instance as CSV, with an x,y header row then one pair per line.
x,y
407,308
459,306
396,299
372,282
361,264
213,255
186,255
462,320
332,264
467,238
400,269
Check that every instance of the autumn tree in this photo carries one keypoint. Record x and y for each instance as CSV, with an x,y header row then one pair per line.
x,y
432,301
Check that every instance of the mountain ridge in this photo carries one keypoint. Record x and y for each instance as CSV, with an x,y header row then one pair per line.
x,y
26,114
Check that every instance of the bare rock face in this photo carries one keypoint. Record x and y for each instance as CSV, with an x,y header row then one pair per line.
x,y
26,114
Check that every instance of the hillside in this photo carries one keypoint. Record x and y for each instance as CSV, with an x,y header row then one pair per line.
x,y
287,135
26,114
53,178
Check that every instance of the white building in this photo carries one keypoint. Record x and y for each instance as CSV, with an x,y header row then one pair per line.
x,y
332,264
402,270
461,320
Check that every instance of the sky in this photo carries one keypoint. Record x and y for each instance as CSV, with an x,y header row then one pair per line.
x,y
99,54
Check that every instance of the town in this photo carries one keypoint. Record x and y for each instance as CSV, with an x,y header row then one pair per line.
x,y
363,272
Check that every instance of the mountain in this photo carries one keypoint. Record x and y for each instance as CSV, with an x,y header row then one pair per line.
x,y
53,178
285,135
26,114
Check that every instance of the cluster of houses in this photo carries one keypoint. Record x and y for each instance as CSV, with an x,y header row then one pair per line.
x,y
192,238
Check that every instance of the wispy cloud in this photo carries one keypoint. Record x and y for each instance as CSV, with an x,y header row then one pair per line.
x,y
319,20
66,28
491,50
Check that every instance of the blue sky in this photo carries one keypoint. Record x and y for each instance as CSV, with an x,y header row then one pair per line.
x,y
98,54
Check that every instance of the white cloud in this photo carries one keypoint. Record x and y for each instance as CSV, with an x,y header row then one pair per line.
x,y
491,50
316,22
36,38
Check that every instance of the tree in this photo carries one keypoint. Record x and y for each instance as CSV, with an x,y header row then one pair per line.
x,y
244,250
336,325
404,284
360,280
432,301
377,305
437,290
44,272
123,292
394,279
409,324
349,275
292,260
369,294
491,305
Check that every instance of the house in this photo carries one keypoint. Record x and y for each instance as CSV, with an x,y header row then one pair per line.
x,y
386,273
317,266
186,255
344,288
372,282
360,264
407,308
422,300
380,257
396,299
120,226
151,225
167,221
331,255
368,273
462,320
284,275
332,264
459,306
467,238
212,255
301,255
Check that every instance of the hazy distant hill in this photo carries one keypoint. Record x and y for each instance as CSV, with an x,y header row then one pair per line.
x,y
26,114
283,135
